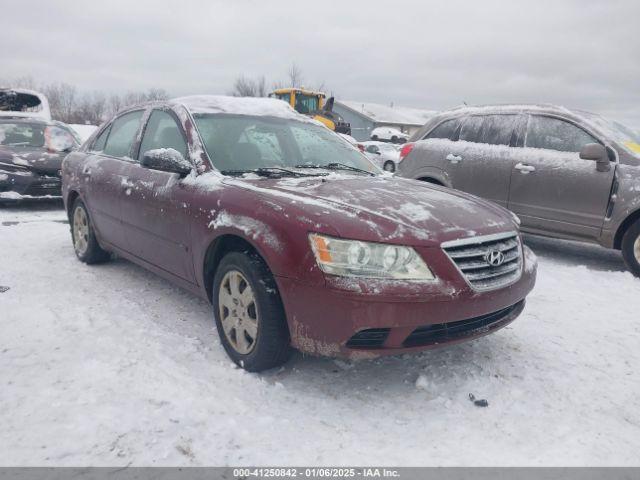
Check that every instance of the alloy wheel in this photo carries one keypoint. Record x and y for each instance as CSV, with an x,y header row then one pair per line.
x,y
80,231
636,249
238,312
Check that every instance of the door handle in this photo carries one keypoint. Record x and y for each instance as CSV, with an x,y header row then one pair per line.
x,y
454,158
525,168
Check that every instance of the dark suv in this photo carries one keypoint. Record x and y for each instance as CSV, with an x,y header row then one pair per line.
x,y
291,233
565,173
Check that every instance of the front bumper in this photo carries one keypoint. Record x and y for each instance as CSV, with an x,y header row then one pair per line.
x,y
336,321
28,184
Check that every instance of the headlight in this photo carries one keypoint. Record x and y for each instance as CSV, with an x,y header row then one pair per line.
x,y
353,258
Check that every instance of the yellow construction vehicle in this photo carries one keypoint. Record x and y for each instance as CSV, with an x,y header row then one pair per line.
x,y
312,103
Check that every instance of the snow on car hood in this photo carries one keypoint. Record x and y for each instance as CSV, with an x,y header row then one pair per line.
x,y
387,209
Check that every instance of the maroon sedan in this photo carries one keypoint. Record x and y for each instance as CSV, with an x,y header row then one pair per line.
x,y
291,233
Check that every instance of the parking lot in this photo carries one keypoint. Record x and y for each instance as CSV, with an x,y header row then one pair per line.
x,y
111,365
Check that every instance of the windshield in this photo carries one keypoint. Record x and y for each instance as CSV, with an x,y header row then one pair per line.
x,y
618,132
306,103
36,135
245,143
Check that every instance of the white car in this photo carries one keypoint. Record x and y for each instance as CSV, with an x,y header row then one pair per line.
x,y
20,102
384,155
389,134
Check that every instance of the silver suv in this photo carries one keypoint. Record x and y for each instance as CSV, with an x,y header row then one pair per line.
x,y
565,173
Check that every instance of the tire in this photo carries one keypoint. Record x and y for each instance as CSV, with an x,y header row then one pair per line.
x,y
83,236
631,248
389,166
257,336
431,181
374,138
394,139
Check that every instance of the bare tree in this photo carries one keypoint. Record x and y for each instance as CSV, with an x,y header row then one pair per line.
x,y
295,76
62,100
20,82
247,87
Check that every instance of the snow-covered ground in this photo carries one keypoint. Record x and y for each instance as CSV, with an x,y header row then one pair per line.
x,y
111,365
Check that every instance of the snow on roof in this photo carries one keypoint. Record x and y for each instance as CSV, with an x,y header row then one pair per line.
x,y
507,107
385,114
240,106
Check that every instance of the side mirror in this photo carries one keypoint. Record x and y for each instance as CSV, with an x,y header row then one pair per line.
x,y
166,160
597,153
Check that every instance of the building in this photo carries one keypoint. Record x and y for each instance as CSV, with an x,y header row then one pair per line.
x,y
364,117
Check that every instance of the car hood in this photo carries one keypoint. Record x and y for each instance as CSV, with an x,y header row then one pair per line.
x,y
386,209
35,159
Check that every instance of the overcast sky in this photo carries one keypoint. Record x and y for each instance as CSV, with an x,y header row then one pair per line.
x,y
433,55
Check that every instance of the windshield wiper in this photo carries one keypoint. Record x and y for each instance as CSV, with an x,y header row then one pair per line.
x,y
269,172
336,166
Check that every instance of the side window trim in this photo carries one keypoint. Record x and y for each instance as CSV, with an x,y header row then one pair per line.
x,y
145,124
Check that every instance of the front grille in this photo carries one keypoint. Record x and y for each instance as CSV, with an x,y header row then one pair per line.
x,y
370,338
473,257
445,332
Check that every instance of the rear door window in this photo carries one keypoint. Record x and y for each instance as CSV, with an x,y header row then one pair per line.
x,y
123,133
471,129
497,129
556,134
162,131
446,130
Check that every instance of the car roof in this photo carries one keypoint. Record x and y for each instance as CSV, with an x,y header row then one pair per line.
x,y
580,116
259,106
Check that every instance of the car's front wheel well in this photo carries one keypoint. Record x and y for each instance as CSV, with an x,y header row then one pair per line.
x,y
217,250
71,199
622,229
431,180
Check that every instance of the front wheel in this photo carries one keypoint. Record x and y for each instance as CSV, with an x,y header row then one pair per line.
x,y
631,248
85,244
249,314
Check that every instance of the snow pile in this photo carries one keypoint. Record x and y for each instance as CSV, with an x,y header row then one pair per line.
x,y
112,365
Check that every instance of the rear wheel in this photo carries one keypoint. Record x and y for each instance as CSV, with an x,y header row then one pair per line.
x,y
631,248
249,314
394,139
389,166
84,239
374,138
